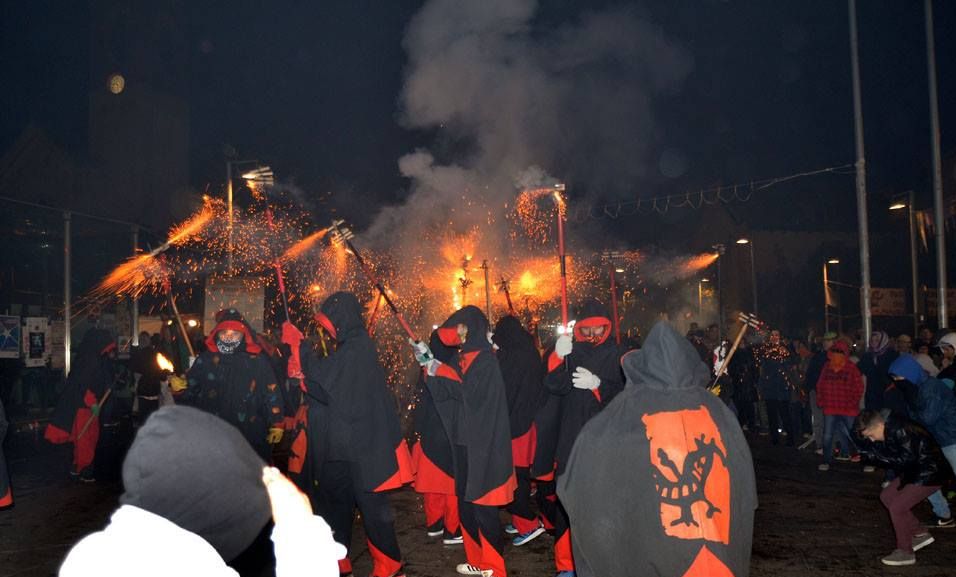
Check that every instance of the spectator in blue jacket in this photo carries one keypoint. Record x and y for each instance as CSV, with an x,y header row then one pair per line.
x,y
932,404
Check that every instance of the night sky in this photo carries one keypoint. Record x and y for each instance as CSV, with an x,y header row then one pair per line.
x,y
314,89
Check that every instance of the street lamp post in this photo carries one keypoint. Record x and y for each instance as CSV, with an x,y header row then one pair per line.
x,y
826,298
720,248
700,299
910,207
259,172
753,269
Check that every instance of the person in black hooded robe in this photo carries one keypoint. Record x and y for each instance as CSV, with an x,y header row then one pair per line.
x,y
661,483
523,373
432,459
76,417
584,375
355,450
470,396
233,380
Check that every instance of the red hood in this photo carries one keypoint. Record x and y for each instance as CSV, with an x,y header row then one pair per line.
x,y
592,322
252,347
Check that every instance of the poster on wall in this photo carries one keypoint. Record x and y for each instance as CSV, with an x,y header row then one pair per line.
x,y
57,335
9,337
235,293
36,341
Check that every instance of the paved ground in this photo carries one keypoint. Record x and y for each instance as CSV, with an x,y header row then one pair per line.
x,y
808,523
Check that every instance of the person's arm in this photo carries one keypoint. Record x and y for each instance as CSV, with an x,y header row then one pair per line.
x,y
303,542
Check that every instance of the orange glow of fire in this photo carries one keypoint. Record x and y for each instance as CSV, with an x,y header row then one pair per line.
x,y
132,278
163,363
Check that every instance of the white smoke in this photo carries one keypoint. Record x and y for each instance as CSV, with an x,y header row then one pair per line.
x,y
505,93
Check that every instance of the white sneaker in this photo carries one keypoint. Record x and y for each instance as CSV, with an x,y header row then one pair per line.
x,y
823,467
868,468
466,569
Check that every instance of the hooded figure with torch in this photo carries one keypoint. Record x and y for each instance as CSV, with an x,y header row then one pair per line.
x,y
470,396
355,451
76,418
233,380
584,372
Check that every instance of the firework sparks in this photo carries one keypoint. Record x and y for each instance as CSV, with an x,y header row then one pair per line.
x,y
303,246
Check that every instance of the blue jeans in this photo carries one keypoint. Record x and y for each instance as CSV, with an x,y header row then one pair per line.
x,y
939,503
838,425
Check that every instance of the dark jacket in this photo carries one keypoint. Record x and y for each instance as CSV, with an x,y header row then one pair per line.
x,y
578,406
469,394
352,415
814,368
910,451
523,372
91,375
928,401
239,388
774,363
662,481
432,439
876,370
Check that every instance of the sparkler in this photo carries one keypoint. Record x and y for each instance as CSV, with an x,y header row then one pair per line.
x,y
504,286
303,246
342,235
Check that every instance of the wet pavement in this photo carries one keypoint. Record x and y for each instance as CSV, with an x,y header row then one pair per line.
x,y
809,523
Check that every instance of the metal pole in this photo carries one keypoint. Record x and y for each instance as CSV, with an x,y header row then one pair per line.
x,y
700,301
616,324
134,317
67,294
563,261
229,210
720,294
913,263
937,170
753,274
860,181
826,301
484,266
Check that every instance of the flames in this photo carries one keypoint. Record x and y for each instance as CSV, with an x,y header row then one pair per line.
x,y
194,224
164,364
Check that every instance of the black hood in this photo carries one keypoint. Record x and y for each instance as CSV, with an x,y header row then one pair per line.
x,y
443,353
477,323
592,308
666,362
345,313
509,335
198,471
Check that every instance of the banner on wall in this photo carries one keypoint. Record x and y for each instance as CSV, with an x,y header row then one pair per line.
x,y
36,341
9,337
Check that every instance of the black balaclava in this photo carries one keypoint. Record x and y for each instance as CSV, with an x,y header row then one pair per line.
x,y
198,471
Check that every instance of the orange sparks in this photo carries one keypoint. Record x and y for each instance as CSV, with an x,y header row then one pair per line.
x,y
699,262
534,218
303,246
132,278
193,225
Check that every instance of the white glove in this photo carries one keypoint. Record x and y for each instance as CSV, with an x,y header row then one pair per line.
x,y
563,346
423,354
585,379
431,367
494,347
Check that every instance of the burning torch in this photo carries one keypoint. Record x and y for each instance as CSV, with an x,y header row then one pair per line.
x,y
170,382
505,287
342,235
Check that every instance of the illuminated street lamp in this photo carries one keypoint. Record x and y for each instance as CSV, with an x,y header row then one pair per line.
x,y
909,205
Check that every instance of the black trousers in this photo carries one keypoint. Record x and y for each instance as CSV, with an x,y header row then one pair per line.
x,y
521,506
779,416
481,527
337,496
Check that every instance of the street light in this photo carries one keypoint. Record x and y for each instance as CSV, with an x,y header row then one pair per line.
x,y
700,298
753,269
911,216
254,173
